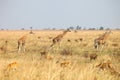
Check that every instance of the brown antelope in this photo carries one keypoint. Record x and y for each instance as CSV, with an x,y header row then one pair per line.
x,y
81,39
43,53
114,72
64,64
93,56
101,41
105,65
12,66
69,40
58,38
49,57
76,40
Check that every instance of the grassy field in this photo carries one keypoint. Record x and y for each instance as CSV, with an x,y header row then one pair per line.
x,y
31,65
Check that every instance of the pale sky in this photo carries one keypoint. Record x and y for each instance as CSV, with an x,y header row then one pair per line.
x,y
40,14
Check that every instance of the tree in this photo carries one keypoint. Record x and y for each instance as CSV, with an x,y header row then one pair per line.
x,y
71,27
31,32
53,28
107,28
91,29
78,27
101,28
31,28
22,28
2,29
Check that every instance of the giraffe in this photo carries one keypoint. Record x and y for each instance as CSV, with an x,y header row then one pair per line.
x,y
101,41
58,38
22,41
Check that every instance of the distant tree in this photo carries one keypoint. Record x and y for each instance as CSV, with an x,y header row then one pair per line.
x,y
117,29
78,27
31,28
91,29
22,28
84,28
31,32
107,28
2,29
71,27
101,28
53,28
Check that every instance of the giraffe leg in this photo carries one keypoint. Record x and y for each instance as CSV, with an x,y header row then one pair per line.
x,y
59,45
102,46
96,46
19,48
23,47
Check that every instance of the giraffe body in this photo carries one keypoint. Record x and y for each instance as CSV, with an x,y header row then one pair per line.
x,y
58,38
101,41
21,43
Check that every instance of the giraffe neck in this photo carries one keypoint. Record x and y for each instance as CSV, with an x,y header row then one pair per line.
x,y
107,35
60,36
104,36
23,38
64,33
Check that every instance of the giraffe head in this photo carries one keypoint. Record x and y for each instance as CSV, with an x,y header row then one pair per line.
x,y
65,31
108,32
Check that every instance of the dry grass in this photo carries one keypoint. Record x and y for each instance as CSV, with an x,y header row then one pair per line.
x,y
33,65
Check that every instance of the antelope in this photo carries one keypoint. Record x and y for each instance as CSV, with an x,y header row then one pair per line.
x,y
39,37
64,64
43,53
76,40
114,72
105,65
58,38
93,56
69,40
12,66
101,41
49,57
81,39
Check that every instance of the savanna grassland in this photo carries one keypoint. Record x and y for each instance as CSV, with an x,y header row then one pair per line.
x,y
71,61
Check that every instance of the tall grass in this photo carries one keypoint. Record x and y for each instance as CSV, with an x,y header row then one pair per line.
x,y
33,66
